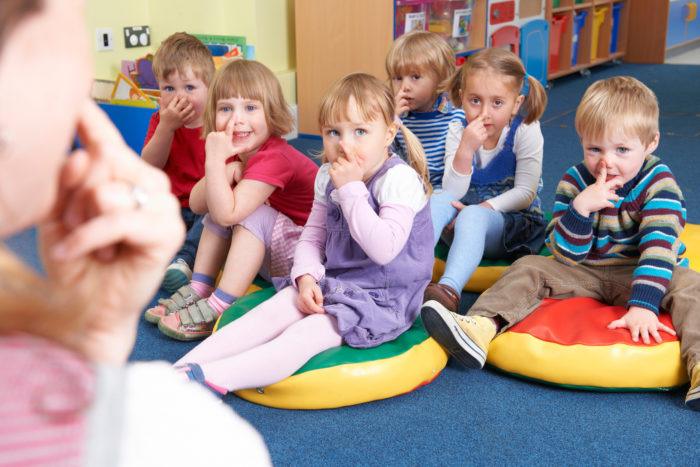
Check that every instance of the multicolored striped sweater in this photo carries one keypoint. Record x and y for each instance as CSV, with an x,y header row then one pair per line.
x,y
642,228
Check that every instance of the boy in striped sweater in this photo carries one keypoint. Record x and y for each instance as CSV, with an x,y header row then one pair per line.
x,y
614,235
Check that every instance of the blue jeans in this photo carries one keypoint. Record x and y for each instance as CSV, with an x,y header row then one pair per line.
x,y
478,233
193,224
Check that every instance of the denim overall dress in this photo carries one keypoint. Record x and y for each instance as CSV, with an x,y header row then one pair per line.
x,y
374,303
524,230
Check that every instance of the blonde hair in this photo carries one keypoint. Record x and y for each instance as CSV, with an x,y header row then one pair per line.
x,y
618,102
420,51
506,63
374,101
249,80
180,51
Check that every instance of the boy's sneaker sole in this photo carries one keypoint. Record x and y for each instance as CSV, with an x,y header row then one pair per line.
x,y
442,327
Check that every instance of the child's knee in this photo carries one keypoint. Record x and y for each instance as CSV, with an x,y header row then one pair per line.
x,y
472,215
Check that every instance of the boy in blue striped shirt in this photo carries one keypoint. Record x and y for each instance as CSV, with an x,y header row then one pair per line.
x,y
417,64
614,235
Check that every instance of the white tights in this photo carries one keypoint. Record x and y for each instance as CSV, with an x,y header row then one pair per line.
x,y
264,346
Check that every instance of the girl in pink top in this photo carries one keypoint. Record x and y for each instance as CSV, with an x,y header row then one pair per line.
x,y
257,192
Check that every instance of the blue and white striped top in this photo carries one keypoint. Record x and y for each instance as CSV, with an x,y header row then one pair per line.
x,y
431,129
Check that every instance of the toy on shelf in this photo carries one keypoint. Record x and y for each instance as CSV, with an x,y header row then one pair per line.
x,y
579,23
143,74
451,19
558,28
598,18
224,48
410,15
136,84
126,92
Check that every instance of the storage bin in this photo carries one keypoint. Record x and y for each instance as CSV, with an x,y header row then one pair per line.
x,y
616,12
410,15
598,18
452,20
579,22
555,34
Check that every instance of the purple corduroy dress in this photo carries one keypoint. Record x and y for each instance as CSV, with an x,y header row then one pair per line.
x,y
375,303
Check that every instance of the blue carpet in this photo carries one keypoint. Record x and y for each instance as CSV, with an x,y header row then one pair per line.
x,y
468,417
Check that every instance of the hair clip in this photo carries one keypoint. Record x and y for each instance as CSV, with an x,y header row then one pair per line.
x,y
526,84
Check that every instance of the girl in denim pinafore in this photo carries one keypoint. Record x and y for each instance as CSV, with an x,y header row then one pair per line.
x,y
363,259
492,174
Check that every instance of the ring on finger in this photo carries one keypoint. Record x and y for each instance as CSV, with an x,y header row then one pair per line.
x,y
139,195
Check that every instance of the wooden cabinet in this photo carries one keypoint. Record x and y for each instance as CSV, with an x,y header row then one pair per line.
x,y
658,25
337,37
586,33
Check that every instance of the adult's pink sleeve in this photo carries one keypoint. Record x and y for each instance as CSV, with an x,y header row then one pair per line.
x,y
380,236
311,249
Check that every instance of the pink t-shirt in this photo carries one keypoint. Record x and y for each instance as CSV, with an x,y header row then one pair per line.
x,y
280,165
185,165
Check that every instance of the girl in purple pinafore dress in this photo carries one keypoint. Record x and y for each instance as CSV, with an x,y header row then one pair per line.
x,y
362,262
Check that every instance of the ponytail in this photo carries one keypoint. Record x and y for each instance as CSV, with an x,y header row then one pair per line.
x,y
415,156
453,85
535,99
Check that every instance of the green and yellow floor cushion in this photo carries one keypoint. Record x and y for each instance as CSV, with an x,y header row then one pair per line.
x,y
344,375
567,343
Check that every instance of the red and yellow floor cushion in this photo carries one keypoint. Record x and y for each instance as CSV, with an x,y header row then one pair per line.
x,y
344,375
567,343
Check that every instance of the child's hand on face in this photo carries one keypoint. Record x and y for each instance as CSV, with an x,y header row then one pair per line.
x,y
599,195
474,135
219,144
401,105
641,321
347,168
178,112
310,298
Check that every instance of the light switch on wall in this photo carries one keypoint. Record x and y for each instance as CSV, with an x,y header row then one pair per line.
x,y
105,39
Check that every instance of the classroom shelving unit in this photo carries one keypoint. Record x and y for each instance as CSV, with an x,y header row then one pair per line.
x,y
586,33
336,37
